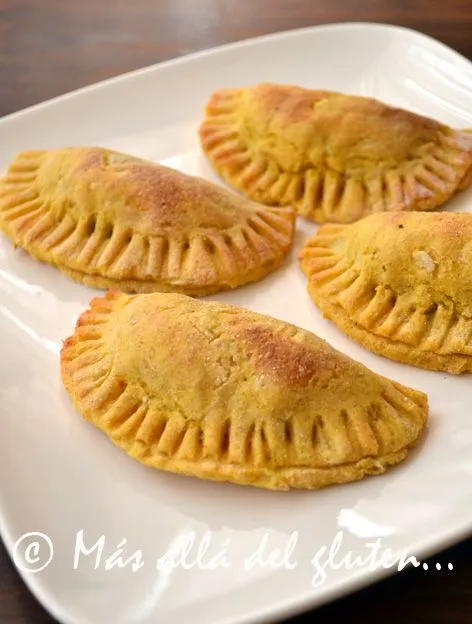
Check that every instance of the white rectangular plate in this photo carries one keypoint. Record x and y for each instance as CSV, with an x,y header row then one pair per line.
x,y
61,476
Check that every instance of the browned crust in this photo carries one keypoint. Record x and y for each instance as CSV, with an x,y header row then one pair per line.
x,y
137,424
151,246
436,162
433,331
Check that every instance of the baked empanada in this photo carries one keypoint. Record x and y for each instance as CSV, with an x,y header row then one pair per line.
x,y
400,284
107,219
334,157
222,393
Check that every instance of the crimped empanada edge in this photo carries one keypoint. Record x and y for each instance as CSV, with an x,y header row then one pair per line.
x,y
328,195
401,352
224,260
146,287
125,416
454,363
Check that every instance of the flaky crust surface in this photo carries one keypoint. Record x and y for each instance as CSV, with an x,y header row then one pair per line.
x,y
334,157
107,219
222,393
399,284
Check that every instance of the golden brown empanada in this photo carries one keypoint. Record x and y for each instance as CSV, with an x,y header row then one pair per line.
x,y
334,157
400,284
107,219
222,393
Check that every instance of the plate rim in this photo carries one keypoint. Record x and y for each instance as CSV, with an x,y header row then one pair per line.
x,y
307,600
214,50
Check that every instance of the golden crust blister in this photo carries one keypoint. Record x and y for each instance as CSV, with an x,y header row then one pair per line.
x,y
107,219
334,157
399,284
269,404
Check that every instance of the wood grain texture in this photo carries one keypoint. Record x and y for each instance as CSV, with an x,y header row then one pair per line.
x,y
50,47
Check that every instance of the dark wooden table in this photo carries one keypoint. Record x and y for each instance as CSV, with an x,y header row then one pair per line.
x,y
49,47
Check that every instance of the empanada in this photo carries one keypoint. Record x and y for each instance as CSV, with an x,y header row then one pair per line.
x,y
400,284
334,157
221,393
107,219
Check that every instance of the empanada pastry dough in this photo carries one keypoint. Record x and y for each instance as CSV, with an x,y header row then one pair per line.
x,y
107,219
400,284
334,157
221,393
